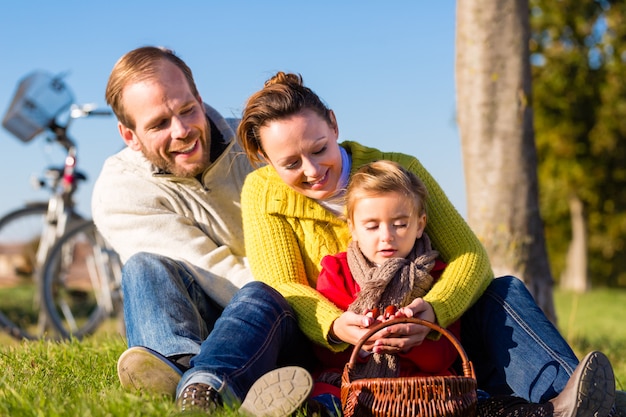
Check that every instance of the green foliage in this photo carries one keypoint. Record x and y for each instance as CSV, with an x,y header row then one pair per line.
x,y
579,101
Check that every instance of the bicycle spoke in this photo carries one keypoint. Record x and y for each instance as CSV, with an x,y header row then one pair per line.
x,y
78,280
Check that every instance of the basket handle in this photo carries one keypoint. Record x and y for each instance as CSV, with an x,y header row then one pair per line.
x,y
468,368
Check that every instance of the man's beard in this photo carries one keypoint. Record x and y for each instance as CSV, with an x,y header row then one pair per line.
x,y
187,171
169,164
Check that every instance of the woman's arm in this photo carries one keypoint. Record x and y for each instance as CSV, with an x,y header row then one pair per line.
x,y
468,272
276,258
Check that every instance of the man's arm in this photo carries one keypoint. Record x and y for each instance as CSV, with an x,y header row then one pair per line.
x,y
136,214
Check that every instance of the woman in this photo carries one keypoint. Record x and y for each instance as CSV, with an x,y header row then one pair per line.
x,y
292,213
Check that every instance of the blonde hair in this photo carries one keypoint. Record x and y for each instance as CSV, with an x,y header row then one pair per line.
x,y
382,177
282,96
138,65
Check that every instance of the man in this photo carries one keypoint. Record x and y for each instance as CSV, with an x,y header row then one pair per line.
x,y
198,326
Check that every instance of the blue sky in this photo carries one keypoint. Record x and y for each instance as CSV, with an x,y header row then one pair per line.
x,y
386,68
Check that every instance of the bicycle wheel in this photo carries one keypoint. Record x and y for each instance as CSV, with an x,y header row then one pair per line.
x,y
80,283
20,232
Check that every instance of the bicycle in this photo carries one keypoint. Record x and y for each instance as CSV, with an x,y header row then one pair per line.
x,y
58,277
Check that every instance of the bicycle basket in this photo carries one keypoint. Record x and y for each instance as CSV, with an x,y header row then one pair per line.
x,y
39,99
417,396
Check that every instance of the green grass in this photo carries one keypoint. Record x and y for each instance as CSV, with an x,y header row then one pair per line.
x,y
596,321
45,378
72,378
17,304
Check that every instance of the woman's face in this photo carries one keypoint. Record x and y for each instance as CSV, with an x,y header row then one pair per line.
x,y
303,150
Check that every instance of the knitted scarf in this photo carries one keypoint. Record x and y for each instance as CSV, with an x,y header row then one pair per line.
x,y
398,281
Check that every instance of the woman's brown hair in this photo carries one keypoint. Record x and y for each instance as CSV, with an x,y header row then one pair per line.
x,y
282,96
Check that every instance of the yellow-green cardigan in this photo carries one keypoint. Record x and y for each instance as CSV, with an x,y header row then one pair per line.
x,y
287,235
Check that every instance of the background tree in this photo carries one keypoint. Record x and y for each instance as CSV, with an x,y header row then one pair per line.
x,y
493,82
579,87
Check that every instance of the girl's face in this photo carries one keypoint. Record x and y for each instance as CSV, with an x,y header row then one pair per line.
x,y
385,226
303,150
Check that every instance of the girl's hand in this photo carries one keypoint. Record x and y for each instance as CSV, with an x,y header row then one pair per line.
x,y
351,327
404,336
373,316
420,309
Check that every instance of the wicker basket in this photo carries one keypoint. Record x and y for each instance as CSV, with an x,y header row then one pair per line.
x,y
424,396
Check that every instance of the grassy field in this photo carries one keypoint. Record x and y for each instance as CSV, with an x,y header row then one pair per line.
x,y
596,321
74,378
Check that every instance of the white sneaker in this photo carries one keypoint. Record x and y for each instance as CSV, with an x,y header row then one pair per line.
x,y
142,369
278,393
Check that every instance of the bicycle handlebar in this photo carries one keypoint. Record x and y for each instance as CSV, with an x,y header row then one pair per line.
x,y
100,113
86,110
76,112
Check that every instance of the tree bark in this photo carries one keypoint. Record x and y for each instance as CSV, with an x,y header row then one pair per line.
x,y
493,84
575,277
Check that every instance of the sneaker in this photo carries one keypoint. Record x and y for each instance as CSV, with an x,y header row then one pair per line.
x,y
620,403
590,391
142,369
278,393
199,397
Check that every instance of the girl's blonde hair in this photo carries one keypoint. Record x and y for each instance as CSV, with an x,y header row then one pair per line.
x,y
382,177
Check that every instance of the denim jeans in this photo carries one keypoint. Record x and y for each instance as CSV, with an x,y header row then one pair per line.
x,y
167,311
514,348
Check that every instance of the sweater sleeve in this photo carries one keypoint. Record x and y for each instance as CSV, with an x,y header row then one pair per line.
x,y
275,258
468,272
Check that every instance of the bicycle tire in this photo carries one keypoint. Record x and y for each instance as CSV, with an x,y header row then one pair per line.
x,y
21,311
76,277
20,231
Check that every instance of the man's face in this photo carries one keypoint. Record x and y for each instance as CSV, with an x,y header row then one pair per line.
x,y
171,128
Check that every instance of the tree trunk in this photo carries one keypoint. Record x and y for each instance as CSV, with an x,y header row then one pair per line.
x,y
575,277
495,119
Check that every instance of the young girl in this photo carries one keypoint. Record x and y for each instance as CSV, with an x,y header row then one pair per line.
x,y
389,262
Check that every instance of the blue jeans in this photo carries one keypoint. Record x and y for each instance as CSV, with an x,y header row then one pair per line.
x,y
167,311
515,349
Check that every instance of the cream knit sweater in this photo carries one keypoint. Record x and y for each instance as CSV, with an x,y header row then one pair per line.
x,y
138,209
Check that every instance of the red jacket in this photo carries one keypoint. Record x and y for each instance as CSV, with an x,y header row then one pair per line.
x,y
432,357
